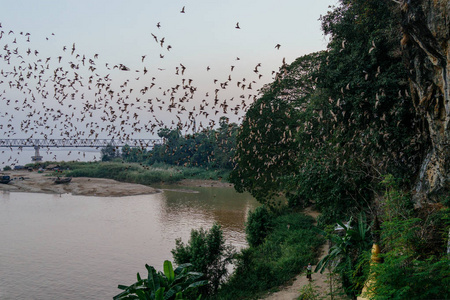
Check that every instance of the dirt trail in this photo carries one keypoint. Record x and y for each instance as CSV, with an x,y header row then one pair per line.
x,y
320,282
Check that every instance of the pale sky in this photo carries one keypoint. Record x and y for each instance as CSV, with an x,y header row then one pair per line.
x,y
204,39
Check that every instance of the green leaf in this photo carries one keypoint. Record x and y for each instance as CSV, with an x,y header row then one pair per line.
x,y
121,295
182,267
179,296
122,287
197,284
142,295
159,295
174,290
154,281
168,271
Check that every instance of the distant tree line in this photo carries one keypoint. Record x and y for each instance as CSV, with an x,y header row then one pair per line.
x,y
212,148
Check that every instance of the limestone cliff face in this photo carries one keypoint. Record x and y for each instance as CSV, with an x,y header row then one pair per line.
x,y
426,49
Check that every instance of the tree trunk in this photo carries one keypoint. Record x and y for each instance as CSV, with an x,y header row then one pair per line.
x,y
426,43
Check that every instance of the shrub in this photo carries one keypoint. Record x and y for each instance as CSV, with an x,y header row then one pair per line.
x,y
7,168
404,274
414,243
208,253
259,225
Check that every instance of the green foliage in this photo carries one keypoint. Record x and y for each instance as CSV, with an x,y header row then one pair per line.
x,y
406,273
284,253
124,172
396,203
208,149
401,277
348,255
7,168
375,121
266,147
212,148
134,154
309,292
207,252
259,225
134,172
334,190
414,242
332,122
109,152
170,284
446,200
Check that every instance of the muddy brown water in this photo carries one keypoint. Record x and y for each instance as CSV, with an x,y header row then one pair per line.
x,y
79,247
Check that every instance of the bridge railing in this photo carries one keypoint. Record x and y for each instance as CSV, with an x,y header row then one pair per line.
x,y
78,143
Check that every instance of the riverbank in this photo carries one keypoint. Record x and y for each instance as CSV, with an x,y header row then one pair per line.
x,y
204,183
318,287
33,182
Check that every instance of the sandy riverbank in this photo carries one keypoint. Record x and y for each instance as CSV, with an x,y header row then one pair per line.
x,y
34,182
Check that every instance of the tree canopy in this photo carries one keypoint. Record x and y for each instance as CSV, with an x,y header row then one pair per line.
x,y
212,148
333,122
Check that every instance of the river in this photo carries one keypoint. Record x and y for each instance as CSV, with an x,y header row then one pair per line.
x,y
79,247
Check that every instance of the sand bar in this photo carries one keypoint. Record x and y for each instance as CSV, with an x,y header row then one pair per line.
x,y
33,182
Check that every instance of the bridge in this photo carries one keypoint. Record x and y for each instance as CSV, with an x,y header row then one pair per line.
x,y
76,143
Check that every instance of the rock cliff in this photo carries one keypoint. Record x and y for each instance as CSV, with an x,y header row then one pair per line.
x,y
426,50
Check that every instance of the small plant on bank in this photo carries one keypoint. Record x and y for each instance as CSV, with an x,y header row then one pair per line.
x,y
309,292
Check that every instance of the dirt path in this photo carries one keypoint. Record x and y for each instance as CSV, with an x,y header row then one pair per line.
x,y
320,284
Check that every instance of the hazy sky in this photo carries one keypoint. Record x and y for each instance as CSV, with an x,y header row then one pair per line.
x,y
204,39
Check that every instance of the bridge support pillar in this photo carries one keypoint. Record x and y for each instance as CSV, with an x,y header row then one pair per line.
x,y
37,156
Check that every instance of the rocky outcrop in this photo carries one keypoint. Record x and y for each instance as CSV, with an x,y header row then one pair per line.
x,y
426,49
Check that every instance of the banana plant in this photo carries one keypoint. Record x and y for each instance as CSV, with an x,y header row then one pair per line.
x,y
167,285
353,242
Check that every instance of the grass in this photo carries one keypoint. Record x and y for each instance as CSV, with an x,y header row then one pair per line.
x,y
136,173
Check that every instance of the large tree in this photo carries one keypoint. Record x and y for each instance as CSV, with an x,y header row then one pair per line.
x,y
267,150
342,117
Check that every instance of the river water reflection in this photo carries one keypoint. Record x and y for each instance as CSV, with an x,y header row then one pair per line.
x,y
78,247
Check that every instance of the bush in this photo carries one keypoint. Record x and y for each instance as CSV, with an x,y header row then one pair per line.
x,y
414,243
208,253
7,168
259,225
404,274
